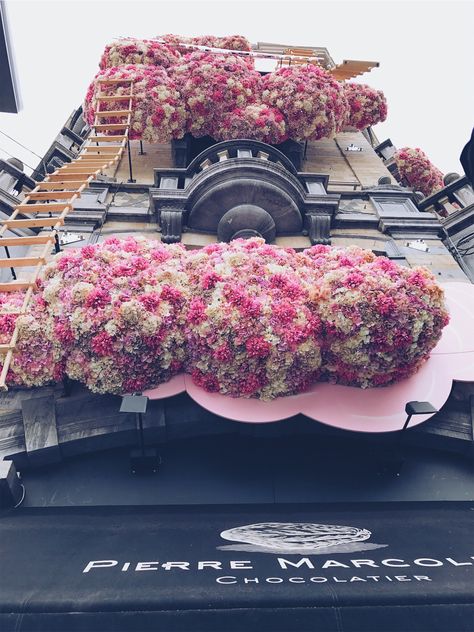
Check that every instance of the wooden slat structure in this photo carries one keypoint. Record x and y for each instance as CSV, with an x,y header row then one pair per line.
x,y
351,68
52,200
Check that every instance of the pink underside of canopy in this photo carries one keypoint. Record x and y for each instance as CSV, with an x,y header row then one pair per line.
x,y
362,410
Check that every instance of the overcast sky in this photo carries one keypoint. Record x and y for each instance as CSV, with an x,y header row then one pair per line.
x,y
424,49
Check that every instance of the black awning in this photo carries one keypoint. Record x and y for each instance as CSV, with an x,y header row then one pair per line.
x,y
397,566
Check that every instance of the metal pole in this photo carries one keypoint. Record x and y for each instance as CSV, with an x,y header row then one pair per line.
x,y
57,245
140,434
130,163
12,269
141,152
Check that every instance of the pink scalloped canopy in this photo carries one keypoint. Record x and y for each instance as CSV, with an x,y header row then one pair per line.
x,y
363,410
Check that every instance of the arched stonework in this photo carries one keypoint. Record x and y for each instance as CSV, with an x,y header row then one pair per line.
x,y
236,173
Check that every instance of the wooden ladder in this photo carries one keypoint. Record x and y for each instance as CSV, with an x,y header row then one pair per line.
x,y
51,200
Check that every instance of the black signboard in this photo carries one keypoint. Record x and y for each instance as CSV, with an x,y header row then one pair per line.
x,y
394,566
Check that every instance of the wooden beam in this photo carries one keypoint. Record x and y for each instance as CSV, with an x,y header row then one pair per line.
x,y
115,80
27,241
16,286
63,177
112,126
59,186
113,113
43,208
33,223
117,97
21,262
107,139
58,195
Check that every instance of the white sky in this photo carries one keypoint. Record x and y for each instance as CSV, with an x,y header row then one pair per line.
x,y
424,49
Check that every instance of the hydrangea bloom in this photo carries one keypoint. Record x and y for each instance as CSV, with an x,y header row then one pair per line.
x,y
257,121
228,42
158,111
136,51
213,85
39,357
367,106
313,103
249,328
379,320
421,174
118,311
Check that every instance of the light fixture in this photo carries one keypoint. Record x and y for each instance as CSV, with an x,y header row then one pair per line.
x,y
395,464
142,460
353,147
418,244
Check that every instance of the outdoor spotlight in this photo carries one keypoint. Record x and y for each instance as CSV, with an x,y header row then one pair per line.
x,y
142,460
418,408
353,147
394,464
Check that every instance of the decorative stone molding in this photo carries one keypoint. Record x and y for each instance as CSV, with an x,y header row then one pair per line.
x,y
236,173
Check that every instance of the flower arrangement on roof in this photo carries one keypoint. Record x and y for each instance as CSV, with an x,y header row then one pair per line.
x,y
245,319
313,103
137,51
417,169
367,106
211,86
118,310
227,42
159,113
257,122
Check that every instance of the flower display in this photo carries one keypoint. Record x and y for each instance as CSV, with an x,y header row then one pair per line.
x,y
159,113
313,103
245,319
249,328
367,106
257,122
228,42
379,320
117,309
38,357
136,51
212,86
417,169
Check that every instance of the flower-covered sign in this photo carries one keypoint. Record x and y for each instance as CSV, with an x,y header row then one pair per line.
x,y
244,319
415,166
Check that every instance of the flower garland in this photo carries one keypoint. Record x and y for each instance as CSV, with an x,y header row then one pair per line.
x,y
313,103
158,111
136,51
257,122
367,106
245,319
421,174
213,85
